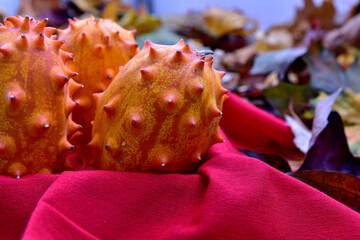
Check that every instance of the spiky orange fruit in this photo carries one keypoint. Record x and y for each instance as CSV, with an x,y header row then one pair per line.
x,y
161,113
33,112
100,47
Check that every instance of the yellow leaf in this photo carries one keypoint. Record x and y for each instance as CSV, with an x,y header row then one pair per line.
x,y
220,21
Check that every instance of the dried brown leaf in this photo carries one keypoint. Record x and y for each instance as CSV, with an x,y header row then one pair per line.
x,y
348,33
34,8
239,58
314,17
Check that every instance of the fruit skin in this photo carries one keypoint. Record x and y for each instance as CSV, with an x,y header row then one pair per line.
x,y
32,104
100,47
161,112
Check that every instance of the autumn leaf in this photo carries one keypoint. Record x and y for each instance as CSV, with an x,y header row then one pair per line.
x,y
326,74
275,161
330,150
143,23
276,38
111,10
346,34
239,59
328,146
311,16
353,74
347,105
278,61
51,9
220,22
88,6
281,94
353,137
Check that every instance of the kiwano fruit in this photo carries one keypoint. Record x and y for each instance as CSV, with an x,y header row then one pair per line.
x,y
33,112
100,47
161,112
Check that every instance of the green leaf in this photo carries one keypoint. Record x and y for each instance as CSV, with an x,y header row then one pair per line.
x,y
281,94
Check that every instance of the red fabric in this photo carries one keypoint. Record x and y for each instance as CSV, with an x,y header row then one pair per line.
x,y
251,128
229,197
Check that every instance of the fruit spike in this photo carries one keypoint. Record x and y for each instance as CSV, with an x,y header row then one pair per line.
x,y
22,41
110,107
33,123
147,44
136,121
40,26
209,59
131,45
186,49
38,124
59,78
56,45
180,42
214,112
99,51
66,56
107,40
133,32
70,105
6,50
199,65
65,146
7,23
94,143
199,88
72,127
49,31
178,56
109,73
220,73
70,73
172,124
191,122
15,100
74,87
145,74
97,97
84,37
39,41
17,170
100,47
25,26
223,91
117,35
70,21
152,52
15,21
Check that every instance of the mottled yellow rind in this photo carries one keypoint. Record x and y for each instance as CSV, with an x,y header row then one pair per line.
x,y
32,114
100,47
175,99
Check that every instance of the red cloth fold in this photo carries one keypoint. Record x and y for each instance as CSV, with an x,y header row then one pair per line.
x,y
231,196
249,127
